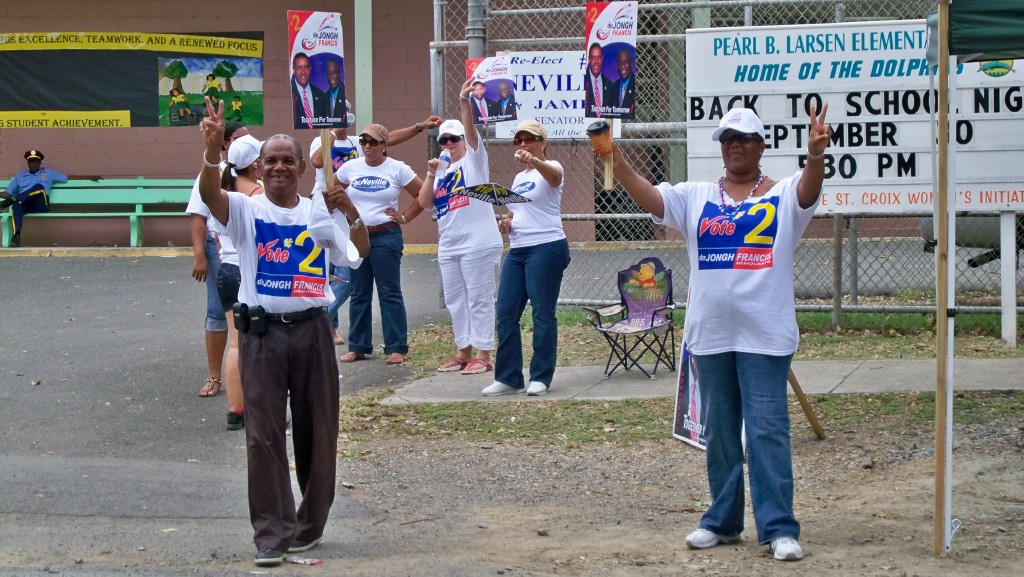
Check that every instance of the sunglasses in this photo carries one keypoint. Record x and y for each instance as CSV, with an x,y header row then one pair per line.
x,y
521,139
741,138
368,142
446,139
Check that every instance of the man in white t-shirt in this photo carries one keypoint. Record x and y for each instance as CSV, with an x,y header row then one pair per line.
x,y
285,350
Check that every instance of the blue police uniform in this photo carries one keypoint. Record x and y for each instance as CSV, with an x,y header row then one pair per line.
x,y
30,192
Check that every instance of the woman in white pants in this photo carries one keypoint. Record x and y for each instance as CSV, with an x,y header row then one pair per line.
x,y
469,245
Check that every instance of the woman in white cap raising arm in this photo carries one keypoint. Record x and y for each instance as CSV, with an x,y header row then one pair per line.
x,y
741,233
468,241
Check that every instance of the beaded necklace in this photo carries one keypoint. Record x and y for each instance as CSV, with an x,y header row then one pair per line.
x,y
728,209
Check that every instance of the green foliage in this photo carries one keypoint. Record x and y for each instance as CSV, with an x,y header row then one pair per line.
x,y
175,69
224,69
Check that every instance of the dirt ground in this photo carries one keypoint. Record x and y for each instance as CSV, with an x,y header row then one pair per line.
x,y
864,500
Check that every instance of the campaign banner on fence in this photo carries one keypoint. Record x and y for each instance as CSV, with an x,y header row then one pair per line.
x,y
127,79
874,78
317,78
492,90
550,91
610,78
690,414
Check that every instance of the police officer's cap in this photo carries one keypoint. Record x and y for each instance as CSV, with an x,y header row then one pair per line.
x,y
33,155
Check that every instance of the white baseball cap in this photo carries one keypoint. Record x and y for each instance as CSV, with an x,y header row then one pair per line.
x,y
244,151
452,127
739,120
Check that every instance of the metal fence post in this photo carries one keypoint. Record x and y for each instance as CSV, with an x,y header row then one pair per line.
x,y
476,28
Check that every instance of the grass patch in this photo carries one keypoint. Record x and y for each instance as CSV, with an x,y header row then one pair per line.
x,y
580,423
563,423
862,336
632,421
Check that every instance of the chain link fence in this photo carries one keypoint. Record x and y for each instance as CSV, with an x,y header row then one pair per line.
x,y
866,263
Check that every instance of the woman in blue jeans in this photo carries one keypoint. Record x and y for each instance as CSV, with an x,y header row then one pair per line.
x,y
375,182
741,234
533,268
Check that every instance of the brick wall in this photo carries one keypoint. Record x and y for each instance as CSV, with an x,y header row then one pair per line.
x,y
402,30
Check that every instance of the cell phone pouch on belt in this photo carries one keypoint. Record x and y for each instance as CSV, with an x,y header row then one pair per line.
x,y
257,320
240,313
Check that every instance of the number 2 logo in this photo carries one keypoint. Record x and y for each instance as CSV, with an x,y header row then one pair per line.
x,y
306,265
754,236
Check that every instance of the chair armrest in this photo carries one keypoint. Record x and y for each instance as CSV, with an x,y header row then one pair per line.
x,y
666,309
596,316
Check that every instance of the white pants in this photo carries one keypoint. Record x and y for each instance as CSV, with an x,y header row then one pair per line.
x,y
469,287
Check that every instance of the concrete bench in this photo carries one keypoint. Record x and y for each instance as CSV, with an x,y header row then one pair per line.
x,y
133,198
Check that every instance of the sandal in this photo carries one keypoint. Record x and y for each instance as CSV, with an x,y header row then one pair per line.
x,y
351,357
477,366
211,388
395,359
338,340
455,364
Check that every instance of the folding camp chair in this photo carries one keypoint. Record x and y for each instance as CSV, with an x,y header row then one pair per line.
x,y
642,321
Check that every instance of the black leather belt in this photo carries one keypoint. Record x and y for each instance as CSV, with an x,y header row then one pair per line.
x,y
381,227
296,316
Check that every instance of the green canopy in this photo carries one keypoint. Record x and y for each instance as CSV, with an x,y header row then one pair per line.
x,y
986,29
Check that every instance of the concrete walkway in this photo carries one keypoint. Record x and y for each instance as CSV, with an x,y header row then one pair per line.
x,y
815,377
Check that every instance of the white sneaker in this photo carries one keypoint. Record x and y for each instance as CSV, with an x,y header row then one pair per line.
x,y
786,549
498,388
536,389
705,539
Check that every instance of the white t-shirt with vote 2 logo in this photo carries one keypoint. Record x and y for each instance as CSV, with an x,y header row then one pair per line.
x,y
465,224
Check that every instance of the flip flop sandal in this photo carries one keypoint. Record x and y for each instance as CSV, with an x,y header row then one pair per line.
x,y
455,364
211,388
351,357
392,360
477,366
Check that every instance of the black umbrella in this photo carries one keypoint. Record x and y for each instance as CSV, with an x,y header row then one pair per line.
x,y
495,194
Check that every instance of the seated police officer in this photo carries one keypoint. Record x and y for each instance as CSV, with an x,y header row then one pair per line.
x,y
29,191
286,349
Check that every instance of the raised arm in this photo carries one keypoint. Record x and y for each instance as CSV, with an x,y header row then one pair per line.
x,y
316,157
643,192
551,172
212,129
426,195
472,137
400,135
809,188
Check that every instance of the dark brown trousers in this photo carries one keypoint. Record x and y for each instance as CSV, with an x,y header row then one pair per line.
x,y
293,360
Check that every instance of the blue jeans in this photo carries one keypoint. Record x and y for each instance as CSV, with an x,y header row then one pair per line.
x,y
531,273
215,320
382,267
341,291
738,388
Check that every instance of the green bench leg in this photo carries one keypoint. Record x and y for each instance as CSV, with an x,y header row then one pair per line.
x,y
136,230
6,222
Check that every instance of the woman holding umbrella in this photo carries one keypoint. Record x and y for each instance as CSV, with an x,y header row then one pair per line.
x,y
533,268
468,241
